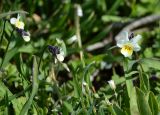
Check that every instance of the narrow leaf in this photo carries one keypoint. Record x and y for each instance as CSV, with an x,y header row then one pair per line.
x,y
27,105
142,102
153,103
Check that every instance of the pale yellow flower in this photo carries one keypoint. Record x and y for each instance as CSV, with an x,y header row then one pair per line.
x,y
17,23
128,45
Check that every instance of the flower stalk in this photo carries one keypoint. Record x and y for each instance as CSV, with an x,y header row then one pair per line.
x,y
129,83
7,47
77,24
3,31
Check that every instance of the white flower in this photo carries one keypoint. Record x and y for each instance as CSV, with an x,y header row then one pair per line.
x,y
112,84
79,11
17,23
128,46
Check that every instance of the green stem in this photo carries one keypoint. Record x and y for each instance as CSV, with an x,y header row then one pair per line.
x,y
129,83
77,24
7,47
3,31
39,64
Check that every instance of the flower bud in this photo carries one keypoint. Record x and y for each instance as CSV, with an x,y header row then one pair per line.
x,y
79,11
112,84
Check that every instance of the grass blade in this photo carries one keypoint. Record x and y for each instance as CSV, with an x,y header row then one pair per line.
x,y
27,105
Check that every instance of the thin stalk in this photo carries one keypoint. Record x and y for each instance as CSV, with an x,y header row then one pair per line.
x,y
7,46
39,64
116,95
129,83
77,24
3,31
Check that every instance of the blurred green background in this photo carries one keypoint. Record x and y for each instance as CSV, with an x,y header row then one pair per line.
x,y
101,22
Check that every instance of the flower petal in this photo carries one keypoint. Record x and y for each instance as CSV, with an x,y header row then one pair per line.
x,y
126,52
60,57
13,20
26,38
112,84
79,11
120,43
136,47
136,39
122,39
19,25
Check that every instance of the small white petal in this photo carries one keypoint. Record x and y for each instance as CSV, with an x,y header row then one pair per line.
x,y
26,38
112,84
60,57
13,20
123,35
72,39
120,43
136,39
136,47
79,11
122,39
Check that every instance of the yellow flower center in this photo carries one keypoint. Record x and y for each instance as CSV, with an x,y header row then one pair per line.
x,y
127,50
19,24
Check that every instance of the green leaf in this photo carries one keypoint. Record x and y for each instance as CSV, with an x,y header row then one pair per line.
x,y
116,110
114,7
77,88
19,104
9,56
6,112
111,18
102,5
27,105
144,82
86,77
142,103
68,106
150,63
27,48
153,103
11,13
133,103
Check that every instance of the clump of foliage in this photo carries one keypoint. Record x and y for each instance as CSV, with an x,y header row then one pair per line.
x,y
80,57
